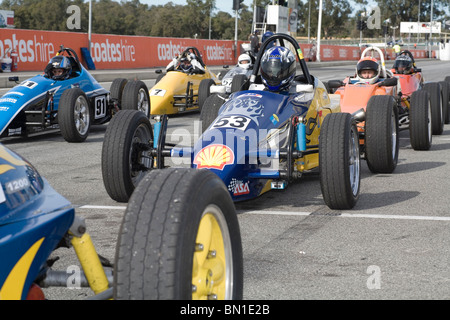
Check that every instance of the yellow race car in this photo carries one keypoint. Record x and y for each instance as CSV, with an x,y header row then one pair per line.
x,y
178,90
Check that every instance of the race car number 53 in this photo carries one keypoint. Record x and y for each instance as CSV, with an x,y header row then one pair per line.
x,y
236,122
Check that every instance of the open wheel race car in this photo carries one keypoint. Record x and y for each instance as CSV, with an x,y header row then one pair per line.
x,y
411,80
35,220
373,104
230,82
178,91
262,140
72,103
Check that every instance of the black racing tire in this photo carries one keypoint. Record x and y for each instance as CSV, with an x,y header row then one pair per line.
x,y
116,90
210,110
339,161
420,126
136,97
445,89
204,91
381,134
179,240
124,163
447,79
437,120
239,83
74,115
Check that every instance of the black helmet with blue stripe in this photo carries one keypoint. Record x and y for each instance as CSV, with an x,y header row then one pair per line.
x,y
277,68
58,62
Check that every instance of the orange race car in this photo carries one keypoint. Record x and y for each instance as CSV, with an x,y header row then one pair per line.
x,y
410,80
371,97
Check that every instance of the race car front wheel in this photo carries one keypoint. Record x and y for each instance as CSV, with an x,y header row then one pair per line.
x,y
125,158
420,128
74,115
135,96
339,161
204,91
445,86
437,119
381,134
179,239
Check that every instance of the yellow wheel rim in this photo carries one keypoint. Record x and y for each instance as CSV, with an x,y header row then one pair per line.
x,y
212,265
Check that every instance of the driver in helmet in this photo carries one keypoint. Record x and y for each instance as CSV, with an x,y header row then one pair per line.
x,y
187,63
245,61
368,70
403,65
59,68
266,36
278,66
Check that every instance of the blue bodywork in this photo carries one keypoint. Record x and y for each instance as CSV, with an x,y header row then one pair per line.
x,y
31,212
250,130
40,96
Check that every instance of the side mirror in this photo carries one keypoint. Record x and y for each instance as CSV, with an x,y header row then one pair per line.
x,y
389,82
158,71
334,84
15,78
226,66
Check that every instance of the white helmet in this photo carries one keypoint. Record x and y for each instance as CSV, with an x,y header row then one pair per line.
x,y
244,61
368,64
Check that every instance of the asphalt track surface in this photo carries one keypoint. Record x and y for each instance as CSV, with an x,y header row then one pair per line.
x,y
393,245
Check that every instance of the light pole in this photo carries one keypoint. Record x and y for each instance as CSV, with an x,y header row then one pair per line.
x,y
418,24
431,29
319,27
90,25
210,9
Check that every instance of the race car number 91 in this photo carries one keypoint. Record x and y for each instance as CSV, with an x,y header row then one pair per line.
x,y
236,122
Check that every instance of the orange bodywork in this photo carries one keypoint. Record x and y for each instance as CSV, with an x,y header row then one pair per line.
x,y
354,97
408,84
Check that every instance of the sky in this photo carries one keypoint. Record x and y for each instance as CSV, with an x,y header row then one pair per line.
x,y
222,5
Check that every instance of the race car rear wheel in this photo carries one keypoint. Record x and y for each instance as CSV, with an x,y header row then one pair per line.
x,y
125,160
339,161
437,119
74,115
239,83
420,127
381,134
179,239
210,110
116,90
445,86
204,91
136,97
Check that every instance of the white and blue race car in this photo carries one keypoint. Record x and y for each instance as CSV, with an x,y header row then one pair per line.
x,y
73,102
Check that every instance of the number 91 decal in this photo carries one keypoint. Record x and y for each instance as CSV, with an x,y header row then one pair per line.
x,y
235,122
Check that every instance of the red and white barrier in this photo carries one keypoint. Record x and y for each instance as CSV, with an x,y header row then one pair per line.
x,y
35,48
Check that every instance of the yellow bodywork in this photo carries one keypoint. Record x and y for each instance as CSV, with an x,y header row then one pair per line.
x,y
175,83
13,287
322,104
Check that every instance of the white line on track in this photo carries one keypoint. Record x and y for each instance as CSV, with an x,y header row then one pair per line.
x,y
350,215
103,207
300,213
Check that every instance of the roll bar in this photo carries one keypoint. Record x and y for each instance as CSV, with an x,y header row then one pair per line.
x,y
281,37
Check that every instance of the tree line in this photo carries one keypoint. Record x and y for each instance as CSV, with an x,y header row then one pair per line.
x,y
200,18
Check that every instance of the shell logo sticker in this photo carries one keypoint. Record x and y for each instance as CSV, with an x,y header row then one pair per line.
x,y
215,156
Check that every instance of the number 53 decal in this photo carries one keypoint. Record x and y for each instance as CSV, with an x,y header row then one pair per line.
x,y
236,122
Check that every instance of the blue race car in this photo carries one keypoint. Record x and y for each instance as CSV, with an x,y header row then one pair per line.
x,y
68,97
279,126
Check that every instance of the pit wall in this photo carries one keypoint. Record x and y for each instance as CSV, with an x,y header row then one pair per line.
x,y
36,48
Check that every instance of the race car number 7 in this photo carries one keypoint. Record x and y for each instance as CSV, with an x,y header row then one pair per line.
x,y
236,122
